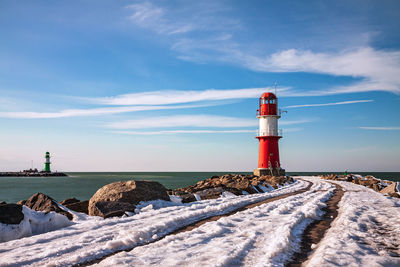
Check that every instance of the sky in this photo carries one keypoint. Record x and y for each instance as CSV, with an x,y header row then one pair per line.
x,y
174,85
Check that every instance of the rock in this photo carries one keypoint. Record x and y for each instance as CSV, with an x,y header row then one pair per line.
x,y
21,202
69,201
186,197
389,189
234,183
107,209
394,195
11,214
42,202
81,206
376,187
211,193
126,193
3,203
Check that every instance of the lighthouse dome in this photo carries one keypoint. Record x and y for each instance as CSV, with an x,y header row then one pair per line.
x,y
268,95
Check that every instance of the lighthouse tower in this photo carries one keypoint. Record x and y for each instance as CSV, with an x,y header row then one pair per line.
x,y
47,162
268,154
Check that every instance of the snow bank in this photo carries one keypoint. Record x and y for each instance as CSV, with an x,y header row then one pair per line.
x,y
92,238
266,235
34,222
365,233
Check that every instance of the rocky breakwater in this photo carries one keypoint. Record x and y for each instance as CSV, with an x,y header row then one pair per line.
x,y
236,184
383,186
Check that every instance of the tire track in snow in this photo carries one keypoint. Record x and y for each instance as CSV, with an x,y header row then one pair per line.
x,y
316,230
197,224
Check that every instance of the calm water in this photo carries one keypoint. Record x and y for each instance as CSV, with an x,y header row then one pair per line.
x,y
83,185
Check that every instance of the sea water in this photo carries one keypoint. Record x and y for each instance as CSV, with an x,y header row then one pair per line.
x,y
82,185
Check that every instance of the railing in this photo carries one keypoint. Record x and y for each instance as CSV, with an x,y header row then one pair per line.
x,y
267,133
278,113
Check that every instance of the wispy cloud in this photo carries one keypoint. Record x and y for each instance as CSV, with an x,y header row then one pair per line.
x,y
330,104
180,19
197,132
193,121
167,97
376,70
380,128
90,112
184,121
184,132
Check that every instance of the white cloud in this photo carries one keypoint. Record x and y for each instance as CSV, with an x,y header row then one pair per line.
x,y
380,128
180,19
192,121
89,112
183,132
197,132
149,16
376,70
379,70
330,104
175,97
184,121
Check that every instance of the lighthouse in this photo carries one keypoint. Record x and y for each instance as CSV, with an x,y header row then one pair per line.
x,y
268,137
47,162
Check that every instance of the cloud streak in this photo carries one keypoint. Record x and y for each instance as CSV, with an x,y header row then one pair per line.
x,y
184,132
184,121
380,128
330,104
192,121
90,112
376,70
168,97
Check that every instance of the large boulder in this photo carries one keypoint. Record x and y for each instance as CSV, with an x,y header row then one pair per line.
x,y
42,202
11,214
116,198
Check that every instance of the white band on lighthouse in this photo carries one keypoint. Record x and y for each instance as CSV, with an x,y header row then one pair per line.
x,y
268,125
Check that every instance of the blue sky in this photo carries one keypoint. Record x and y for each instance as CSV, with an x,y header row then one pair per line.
x,y
174,85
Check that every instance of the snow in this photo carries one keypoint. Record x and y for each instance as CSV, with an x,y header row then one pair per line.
x,y
365,233
262,236
94,237
34,222
175,199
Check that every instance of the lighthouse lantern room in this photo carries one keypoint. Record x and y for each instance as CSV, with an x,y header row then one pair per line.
x,y
268,154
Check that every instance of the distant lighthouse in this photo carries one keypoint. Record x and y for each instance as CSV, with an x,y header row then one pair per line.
x,y
268,154
47,162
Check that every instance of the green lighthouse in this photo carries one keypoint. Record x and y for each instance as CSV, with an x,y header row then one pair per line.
x,y
47,162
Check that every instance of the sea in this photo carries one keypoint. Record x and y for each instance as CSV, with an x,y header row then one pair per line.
x,y
82,185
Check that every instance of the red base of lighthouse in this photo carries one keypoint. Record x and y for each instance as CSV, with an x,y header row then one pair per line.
x,y
268,156
268,152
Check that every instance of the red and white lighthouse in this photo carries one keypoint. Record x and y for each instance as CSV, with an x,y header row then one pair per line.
x,y
268,154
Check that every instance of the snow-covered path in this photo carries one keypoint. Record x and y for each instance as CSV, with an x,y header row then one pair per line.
x,y
261,236
366,232
94,238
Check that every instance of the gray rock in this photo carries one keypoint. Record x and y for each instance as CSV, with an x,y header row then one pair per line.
x,y
11,214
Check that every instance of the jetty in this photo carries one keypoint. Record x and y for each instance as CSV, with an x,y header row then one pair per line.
x,y
31,173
